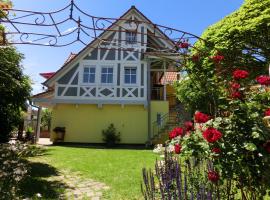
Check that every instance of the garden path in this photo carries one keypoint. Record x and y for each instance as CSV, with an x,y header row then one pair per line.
x,y
77,188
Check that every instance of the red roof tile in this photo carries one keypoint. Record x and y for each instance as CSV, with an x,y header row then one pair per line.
x,y
170,77
47,74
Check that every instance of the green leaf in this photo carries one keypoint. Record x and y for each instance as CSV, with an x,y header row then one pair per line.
x,y
250,146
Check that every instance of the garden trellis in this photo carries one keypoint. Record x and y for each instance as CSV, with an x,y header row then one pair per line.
x,y
71,25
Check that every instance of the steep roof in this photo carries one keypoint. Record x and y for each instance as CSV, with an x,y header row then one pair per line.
x,y
91,44
48,75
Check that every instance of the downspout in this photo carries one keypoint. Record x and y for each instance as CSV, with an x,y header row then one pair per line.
x,y
37,131
165,82
149,100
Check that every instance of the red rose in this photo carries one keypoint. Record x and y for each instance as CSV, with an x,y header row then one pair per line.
x,y
212,135
236,95
195,58
177,148
263,80
240,74
189,126
178,131
213,176
218,58
235,85
183,45
216,150
267,146
201,117
267,112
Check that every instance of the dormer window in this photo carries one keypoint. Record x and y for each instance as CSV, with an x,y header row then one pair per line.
x,y
131,37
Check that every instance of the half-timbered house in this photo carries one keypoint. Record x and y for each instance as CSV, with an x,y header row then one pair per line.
x,y
118,78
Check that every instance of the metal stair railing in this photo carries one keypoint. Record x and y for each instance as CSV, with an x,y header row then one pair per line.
x,y
165,123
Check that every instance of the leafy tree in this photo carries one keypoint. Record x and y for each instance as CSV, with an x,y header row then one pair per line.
x,y
243,39
46,118
14,91
223,82
14,88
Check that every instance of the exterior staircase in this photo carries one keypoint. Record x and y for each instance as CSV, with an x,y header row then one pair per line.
x,y
162,127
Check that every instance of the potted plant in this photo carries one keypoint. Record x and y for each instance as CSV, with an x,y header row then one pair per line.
x,y
110,136
60,134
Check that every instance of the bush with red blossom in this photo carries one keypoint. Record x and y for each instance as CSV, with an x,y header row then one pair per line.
x,y
200,117
235,85
183,45
216,150
189,126
240,74
213,176
267,112
263,80
211,135
236,95
177,148
178,131
218,58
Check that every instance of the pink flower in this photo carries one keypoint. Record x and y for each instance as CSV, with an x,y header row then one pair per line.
x,y
213,176
177,148
263,80
211,135
201,117
240,74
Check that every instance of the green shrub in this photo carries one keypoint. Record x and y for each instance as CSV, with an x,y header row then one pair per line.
x,y
14,168
110,136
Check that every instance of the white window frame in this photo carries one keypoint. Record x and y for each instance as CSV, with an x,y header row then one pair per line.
x,y
128,41
113,74
84,65
124,75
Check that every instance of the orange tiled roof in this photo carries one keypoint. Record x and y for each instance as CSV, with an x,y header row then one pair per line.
x,y
170,77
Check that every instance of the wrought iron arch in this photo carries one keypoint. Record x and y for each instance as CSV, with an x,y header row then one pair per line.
x,y
48,29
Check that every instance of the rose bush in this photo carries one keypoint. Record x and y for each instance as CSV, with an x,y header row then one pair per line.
x,y
235,140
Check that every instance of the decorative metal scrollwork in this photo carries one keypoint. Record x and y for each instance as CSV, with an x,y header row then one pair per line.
x,y
78,26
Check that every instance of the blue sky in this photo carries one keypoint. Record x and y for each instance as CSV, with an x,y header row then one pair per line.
x,y
193,16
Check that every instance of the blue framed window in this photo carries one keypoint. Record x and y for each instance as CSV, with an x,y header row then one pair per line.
x,y
107,75
89,74
130,75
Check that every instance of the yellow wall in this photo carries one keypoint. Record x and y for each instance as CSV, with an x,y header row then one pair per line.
x,y
161,107
84,123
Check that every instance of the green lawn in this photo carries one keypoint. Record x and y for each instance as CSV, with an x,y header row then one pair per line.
x,y
120,169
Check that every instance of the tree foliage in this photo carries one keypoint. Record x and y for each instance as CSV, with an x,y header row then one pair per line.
x,y
14,91
243,39
46,117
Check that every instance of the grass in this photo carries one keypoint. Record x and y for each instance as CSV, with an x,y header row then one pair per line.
x,y
120,169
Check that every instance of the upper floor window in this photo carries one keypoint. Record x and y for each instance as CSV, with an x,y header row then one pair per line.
x,y
130,75
107,75
89,74
131,37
